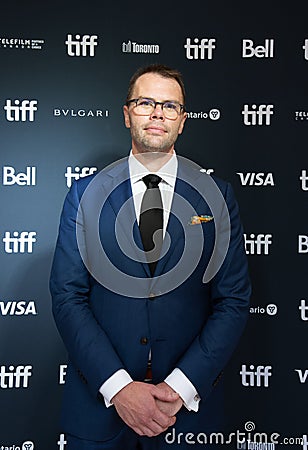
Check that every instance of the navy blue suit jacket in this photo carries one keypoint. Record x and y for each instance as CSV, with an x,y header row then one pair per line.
x,y
105,303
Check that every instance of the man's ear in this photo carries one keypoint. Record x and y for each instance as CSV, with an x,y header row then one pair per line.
x,y
182,122
126,116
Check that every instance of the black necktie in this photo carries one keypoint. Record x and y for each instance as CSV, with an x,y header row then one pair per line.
x,y
151,219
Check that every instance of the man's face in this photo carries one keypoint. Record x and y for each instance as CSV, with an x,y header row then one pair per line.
x,y
154,133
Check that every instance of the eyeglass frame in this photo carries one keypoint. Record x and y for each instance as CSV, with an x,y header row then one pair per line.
x,y
182,107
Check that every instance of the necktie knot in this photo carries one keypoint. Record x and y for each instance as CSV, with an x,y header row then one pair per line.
x,y
151,181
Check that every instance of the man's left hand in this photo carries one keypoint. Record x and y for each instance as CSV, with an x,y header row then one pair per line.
x,y
169,408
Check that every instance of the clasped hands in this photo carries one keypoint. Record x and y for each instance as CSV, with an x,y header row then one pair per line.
x,y
148,409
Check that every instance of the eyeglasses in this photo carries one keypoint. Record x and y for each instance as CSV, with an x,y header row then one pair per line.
x,y
145,107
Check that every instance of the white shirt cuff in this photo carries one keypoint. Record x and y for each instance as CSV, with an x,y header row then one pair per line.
x,y
114,384
186,390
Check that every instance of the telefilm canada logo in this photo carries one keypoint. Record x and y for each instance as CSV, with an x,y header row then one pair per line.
x,y
212,114
135,47
21,43
301,115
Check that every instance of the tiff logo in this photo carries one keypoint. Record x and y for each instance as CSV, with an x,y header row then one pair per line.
x,y
304,180
256,378
14,377
260,51
79,172
257,244
260,116
305,48
21,110
62,442
62,373
304,310
200,51
82,45
302,243
22,179
20,242
302,375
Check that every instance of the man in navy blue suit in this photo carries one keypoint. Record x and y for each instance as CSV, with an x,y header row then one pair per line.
x,y
148,330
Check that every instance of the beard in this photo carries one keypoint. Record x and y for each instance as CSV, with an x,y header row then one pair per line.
x,y
147,142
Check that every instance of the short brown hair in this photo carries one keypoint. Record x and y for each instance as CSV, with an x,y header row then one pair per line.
x,y
159,69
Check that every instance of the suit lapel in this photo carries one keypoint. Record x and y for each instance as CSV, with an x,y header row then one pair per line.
x,y
119,186
185,201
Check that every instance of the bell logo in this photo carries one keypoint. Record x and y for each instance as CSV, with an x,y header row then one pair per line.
x,y
302,243
260,51
10,177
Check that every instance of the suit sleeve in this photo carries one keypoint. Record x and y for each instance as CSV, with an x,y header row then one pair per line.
x,y
208,354
88,346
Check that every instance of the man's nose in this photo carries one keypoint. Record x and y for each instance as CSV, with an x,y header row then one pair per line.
x,y
158,112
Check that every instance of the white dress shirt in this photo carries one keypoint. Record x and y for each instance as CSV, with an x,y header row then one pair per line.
x,y
176,380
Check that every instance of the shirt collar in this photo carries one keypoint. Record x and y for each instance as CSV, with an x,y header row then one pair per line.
x,y
167,172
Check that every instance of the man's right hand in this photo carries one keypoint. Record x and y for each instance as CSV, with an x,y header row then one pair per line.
x,y
136,406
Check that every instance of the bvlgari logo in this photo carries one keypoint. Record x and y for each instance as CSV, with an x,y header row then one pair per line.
x,y
80,112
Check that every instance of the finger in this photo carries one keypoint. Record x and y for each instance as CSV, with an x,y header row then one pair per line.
x,y
163,419
164,394
152,429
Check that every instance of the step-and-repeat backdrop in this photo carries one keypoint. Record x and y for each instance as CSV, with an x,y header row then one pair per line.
x,y
64,75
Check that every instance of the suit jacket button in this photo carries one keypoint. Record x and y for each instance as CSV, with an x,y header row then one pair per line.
x,y
144,341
